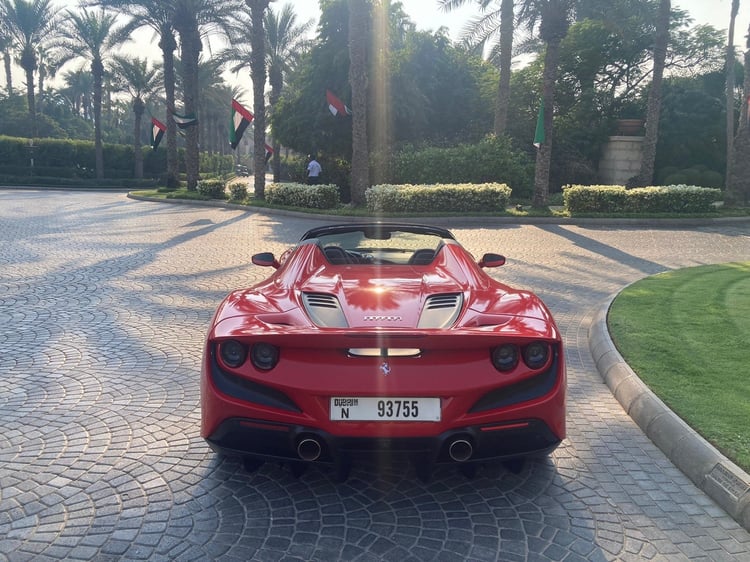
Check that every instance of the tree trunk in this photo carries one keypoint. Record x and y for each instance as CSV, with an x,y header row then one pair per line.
x,y
28,63
97,71
738,185
544,152
191,47
8,72
168,46
358,17
276,78
506,58
258,73
31,103
138,108
729,68
646,175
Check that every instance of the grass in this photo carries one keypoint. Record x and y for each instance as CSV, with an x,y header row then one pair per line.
x,y
686,334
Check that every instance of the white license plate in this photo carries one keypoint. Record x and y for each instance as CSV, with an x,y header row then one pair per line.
x,y
344,408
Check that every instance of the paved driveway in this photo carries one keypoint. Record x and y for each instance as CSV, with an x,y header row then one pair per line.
x,y
104,302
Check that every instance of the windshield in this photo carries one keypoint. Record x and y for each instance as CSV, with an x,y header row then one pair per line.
x,y
380,245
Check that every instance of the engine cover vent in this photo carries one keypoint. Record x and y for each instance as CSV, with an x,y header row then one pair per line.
x,y
441,311
324,310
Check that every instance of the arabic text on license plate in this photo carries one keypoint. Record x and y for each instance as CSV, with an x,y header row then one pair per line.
x,y
384,409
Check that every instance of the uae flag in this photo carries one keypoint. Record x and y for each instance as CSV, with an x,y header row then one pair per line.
x,y
269,153
241,118
335,105
184,121
539,132
157,132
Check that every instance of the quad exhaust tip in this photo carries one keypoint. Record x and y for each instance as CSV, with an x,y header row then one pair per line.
x,y
309,449
460,450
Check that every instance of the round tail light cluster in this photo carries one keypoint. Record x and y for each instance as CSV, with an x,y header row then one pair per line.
x,y
535,355
263,356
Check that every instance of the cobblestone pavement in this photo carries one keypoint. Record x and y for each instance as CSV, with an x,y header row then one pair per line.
x,y
104,302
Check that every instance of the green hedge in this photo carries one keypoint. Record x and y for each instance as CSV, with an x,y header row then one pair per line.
x,y
323,196
64,158
655,199
492,160
461,198
213,188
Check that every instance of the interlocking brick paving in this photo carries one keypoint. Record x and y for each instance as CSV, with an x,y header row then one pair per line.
x,y
104,303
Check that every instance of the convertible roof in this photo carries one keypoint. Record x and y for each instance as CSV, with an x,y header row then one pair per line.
x,y
377,228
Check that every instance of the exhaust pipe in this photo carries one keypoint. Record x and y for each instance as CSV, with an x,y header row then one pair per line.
x,y
309,449
460,450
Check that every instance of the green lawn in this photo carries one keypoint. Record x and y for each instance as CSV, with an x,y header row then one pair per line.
x,y
687,335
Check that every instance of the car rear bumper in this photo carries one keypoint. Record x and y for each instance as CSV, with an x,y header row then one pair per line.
x,y
476,444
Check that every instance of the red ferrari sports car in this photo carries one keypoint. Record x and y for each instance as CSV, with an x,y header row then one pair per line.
x,y
387,339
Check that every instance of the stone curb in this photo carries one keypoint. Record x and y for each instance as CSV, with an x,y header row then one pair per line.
x,y
454,221
723,481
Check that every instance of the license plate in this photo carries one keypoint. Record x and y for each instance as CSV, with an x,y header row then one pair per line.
x,y
345,408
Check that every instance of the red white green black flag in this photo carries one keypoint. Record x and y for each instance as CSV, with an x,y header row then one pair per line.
x,y
241,118
157,132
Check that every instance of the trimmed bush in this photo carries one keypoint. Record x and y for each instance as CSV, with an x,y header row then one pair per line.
x,y
461,198
238,191
323,196
213,189
492,160
655,199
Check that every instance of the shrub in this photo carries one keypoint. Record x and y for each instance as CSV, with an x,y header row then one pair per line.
x,y
213,189
462,198
323,196
238,191
491,160
661,199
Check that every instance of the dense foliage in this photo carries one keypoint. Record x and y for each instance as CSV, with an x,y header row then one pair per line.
x,y
431,102
617,199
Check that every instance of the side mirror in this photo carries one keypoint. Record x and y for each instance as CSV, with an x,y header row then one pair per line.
x,y
265,259
492,260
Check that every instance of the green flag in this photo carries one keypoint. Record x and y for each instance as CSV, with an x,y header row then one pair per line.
x,y
539,133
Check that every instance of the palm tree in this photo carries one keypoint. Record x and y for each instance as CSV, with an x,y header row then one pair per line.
x,y
6,46
285,43
661,40
140,81
78,87
92,35
191,18
29,24
359,12
258,73
480,32
553,17
158,16
729,69
738,184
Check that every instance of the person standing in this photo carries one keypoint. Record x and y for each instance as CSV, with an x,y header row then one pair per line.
x,y
313,171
